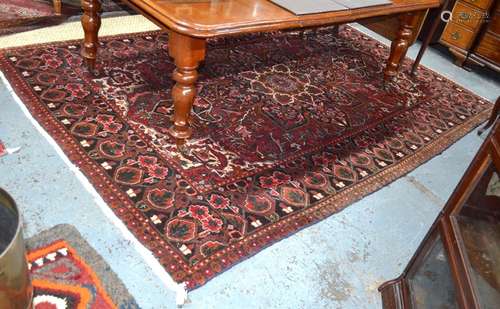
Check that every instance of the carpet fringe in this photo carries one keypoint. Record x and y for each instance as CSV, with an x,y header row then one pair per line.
x,y
156,267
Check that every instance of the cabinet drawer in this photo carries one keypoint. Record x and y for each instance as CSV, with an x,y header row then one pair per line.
x,y
494,26
483,4
467,16
458,36
489,48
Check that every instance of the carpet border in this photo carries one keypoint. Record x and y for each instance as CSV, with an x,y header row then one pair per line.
x,y
146,253
207,268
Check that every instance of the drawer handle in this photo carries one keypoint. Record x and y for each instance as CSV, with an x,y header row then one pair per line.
x,y
456,35
464,16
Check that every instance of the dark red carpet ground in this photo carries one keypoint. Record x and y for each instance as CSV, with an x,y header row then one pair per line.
x,y
289,129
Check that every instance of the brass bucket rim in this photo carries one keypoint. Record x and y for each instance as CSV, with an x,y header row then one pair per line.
x,y
11,203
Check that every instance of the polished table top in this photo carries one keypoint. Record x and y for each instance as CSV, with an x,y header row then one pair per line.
x,y
208,18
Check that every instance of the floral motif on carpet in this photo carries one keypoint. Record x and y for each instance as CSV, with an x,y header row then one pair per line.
x,y
289,129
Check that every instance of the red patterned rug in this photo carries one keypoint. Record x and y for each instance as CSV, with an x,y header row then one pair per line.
x,y
20,9
24,15
67,273
289,129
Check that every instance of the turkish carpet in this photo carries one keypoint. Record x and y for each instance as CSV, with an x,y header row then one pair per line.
x,y
67,273
289,128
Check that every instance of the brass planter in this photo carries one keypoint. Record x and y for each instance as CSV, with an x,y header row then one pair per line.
x,y
16,291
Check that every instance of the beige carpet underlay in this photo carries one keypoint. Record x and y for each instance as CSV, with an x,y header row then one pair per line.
x,y
73,30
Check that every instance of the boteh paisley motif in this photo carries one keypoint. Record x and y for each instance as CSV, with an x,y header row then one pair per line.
x,y
288,128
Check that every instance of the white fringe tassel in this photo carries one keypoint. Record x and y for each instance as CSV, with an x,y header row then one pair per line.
x,y
178,288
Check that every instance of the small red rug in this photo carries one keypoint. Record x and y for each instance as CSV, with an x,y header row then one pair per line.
x,y
11,10
289,129
3,149
68,273
24,15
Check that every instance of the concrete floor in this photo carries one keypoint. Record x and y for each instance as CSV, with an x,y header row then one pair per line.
x,y
337,263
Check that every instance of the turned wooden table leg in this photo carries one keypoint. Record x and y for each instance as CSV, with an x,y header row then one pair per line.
x,y
91,22
187,53
408,23
57,6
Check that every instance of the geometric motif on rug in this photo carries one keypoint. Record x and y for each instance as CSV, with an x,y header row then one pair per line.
x,y
62,278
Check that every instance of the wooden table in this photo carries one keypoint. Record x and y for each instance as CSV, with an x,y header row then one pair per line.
x,y
191,22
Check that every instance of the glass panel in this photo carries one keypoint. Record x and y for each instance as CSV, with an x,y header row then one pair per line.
x,y
432,286
479,224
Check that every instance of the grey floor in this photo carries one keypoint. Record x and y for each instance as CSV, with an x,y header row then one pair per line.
x,y
337,263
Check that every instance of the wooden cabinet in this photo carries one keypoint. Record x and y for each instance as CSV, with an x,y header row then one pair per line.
x,y
482,4
457,35
458,263
473,33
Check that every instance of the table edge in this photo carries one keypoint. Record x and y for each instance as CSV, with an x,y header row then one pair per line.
x,y
204,31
